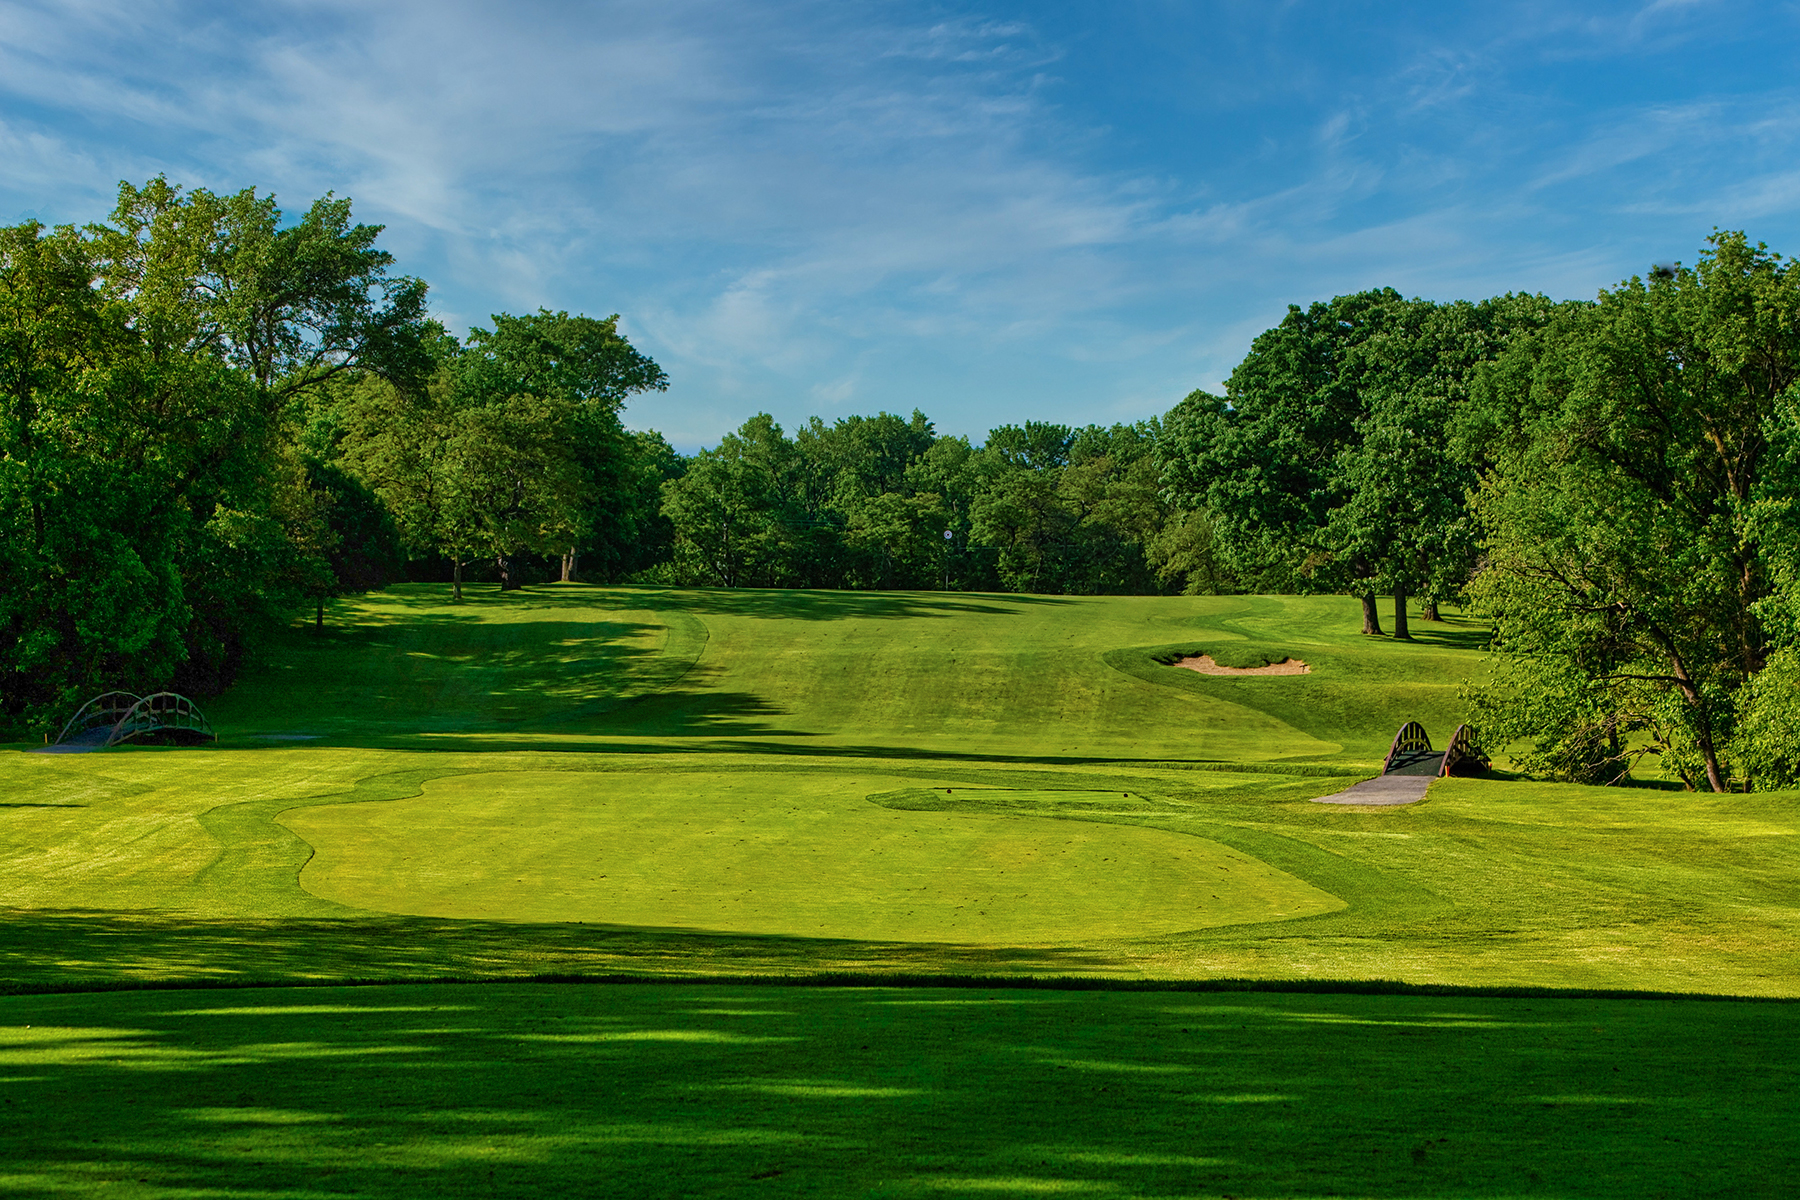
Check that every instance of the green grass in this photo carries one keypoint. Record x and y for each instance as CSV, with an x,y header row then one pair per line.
x,y
776,853
593,782
1041,678
1485,883
690,1090
642,780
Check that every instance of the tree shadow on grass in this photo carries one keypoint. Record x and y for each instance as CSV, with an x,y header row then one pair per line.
x,y
691,721
720,731
480,599
715,1089
444,672
825,605
43,950
803,604
1425,633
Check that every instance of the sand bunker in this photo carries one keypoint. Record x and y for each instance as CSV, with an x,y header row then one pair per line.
x,y
1204,664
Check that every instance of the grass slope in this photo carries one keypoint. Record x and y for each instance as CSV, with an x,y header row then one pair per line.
x,y
518,1090
1039,678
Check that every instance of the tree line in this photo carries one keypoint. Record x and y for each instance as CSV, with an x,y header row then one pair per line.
x,y
1613,484
217,416
886,502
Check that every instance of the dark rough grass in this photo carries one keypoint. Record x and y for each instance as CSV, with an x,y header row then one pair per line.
x,y
684,1090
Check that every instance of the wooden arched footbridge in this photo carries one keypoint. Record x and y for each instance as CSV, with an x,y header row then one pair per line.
x,y
112,717
1411,753
1411,766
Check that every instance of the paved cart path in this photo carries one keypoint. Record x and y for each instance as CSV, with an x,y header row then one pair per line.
x,y
1383,789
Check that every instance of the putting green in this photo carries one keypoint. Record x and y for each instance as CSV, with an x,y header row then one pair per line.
x,y
776,855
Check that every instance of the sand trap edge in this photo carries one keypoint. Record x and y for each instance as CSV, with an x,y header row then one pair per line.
x,y
1204,664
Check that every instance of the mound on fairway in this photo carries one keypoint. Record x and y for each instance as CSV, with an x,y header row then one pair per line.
x,y
776,854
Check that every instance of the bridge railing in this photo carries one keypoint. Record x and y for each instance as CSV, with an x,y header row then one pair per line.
x,y
123,715
162,711
1463,753
105,709
1412,739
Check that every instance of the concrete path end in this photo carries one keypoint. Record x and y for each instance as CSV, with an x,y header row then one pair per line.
x,y
1383,789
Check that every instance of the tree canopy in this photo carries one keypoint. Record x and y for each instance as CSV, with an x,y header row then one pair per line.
x,y
1639,515
214,417
1330,463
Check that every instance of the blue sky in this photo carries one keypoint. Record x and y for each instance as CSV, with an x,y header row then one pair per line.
x,y
1075,212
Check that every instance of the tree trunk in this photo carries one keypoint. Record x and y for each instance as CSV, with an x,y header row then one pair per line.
x,y
1400,630
1715,778
457,577
1371,618
568,574
1703,731
1430,612
507,582
319,617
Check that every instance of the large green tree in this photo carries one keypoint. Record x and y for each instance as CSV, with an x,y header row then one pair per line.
x,y
143,492
1404,477
1338,458
353,543
228,277
1268,460
735,509
1637,514
865,524
513,446
573,467
1071,510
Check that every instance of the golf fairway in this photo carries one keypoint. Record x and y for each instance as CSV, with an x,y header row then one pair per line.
x,y
788,783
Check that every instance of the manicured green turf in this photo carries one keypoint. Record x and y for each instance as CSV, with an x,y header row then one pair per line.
x,y
587,782
660,1090
817,828
782,853
171,864
1040,678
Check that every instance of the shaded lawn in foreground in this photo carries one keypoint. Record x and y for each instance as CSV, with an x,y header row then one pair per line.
x,y
519,1089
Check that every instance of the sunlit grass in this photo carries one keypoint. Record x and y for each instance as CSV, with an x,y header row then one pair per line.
x,y
789,853
1486,882
1037,677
